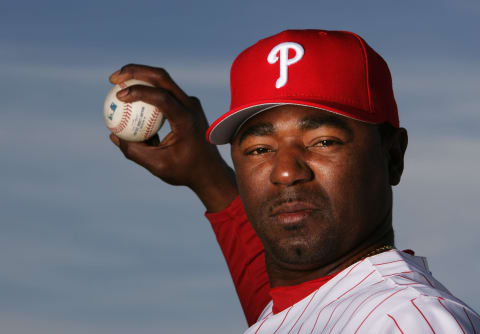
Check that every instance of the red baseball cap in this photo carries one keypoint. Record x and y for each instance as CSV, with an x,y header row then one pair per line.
x,y
336,71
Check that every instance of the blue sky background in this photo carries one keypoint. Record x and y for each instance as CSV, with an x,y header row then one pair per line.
x,y
90,242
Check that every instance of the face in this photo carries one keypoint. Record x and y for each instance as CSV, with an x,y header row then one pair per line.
x,y
314,184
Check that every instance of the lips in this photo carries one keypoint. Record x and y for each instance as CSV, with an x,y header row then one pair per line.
x,y
292,207
292,213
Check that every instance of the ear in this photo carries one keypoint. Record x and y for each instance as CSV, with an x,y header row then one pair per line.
x,y
395,152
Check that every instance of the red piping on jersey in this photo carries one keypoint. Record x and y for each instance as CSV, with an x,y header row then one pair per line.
x,y
396,323
423,315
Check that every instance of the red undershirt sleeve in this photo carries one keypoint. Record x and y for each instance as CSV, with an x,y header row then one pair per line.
x,y
244,254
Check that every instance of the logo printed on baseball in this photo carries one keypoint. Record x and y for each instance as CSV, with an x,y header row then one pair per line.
x,y
113,107
136,121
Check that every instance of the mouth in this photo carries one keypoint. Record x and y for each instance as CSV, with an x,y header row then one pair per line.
x,y
292,213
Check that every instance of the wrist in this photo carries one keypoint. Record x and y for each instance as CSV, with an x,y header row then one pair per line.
x,y
217,188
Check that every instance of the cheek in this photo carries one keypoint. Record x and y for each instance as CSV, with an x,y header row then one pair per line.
x,y
349,183
357,189
335,179
252,183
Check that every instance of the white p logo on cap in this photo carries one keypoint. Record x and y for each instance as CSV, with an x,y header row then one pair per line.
x,y
282,49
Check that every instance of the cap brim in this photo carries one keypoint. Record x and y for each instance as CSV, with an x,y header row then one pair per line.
x,y
224,129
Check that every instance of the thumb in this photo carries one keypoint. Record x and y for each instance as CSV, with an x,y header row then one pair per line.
x,y
115,140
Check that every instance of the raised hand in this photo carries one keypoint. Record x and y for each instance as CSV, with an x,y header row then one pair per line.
x,y
183,157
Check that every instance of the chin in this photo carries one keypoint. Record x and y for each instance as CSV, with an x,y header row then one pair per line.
x,y
304,252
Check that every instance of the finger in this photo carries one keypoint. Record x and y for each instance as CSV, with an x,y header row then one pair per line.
x,y
113,78
139,152
158,97
153,141
158,77
115,139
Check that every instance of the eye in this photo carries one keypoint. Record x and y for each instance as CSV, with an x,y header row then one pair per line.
x,y
258,151
322,144
326,143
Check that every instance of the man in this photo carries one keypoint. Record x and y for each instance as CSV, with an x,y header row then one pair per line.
x,y
316,145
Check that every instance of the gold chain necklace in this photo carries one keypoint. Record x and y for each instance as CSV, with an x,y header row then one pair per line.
x,y
378,251
374,252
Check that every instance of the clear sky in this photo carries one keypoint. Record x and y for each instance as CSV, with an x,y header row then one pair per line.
x,y
90,242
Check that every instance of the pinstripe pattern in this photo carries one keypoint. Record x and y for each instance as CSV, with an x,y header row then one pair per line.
x,y
392,292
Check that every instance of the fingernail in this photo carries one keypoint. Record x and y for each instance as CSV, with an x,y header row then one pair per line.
x,y
123,92
114,73
114,139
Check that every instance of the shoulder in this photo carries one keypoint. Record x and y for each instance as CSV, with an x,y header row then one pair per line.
x,y
433,314
401,269
388,293
410,300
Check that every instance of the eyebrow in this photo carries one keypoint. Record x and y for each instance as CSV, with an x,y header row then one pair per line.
x,y
305,124
314,122
259,129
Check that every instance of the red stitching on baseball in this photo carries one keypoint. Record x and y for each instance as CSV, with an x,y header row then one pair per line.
x,y
151,122
125,118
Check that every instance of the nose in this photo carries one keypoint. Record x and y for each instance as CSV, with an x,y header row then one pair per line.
x,y
290,168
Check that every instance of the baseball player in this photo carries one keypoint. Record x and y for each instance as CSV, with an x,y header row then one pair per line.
x,y
305,221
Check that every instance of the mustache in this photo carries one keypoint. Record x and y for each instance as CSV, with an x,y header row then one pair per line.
x,y
315,198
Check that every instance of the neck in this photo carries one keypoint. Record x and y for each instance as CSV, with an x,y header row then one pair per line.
x,y
380,240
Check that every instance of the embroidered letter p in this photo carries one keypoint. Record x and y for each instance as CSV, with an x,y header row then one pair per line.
x,y
282,49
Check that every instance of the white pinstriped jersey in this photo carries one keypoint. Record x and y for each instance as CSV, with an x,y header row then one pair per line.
x,y
392,292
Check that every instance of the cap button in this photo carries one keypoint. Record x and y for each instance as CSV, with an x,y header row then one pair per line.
x,y
322,33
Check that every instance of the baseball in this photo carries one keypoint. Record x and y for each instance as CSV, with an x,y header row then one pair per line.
x,y
136,121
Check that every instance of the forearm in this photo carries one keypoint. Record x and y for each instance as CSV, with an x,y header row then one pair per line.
x,y
217,187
